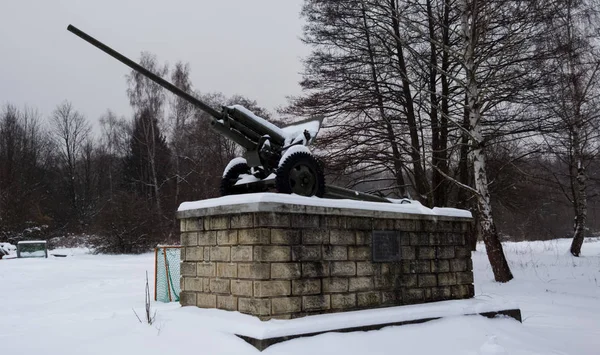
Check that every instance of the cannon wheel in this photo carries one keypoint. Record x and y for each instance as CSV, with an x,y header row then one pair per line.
x,y
231,177
301,174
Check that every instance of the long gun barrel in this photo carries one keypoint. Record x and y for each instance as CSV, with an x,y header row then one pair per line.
x,y
231,123
150,75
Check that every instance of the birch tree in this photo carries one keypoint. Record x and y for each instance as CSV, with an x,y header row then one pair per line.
x,y
570,102
497,59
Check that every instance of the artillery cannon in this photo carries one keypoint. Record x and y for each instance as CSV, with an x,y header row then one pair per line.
x,y
275,157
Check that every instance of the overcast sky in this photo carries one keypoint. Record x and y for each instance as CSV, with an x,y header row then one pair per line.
x,y
248,47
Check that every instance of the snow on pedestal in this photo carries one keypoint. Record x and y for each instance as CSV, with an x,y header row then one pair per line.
x,y
250,202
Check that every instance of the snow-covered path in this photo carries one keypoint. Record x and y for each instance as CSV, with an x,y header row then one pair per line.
x,y
82,304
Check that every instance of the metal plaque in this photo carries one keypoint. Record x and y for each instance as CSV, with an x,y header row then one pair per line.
x,y
386,246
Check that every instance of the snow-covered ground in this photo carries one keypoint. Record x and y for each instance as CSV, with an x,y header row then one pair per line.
x,y
82,304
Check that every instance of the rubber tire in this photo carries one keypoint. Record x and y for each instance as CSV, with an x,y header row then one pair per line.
x,y
228,181
283,181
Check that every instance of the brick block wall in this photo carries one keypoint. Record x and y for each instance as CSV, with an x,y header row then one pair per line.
x,y
287,265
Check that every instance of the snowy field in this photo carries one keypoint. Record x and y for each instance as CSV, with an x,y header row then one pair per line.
x,y
82,304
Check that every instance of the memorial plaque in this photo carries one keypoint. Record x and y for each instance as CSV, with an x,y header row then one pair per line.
x,y
386,246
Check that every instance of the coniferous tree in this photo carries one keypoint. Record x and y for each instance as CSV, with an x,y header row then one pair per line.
x,y
146,166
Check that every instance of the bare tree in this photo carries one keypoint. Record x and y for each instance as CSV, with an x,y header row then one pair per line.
x,y
360,77
570,101
70,131
498,61
25,158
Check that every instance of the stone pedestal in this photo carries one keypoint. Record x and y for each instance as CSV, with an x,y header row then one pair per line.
x,y
281,260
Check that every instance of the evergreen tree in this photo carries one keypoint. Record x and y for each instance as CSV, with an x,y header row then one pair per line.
x,y
146,166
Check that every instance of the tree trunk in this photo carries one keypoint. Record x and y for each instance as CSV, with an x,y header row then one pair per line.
x,y
444,165
177,168
465,198
398,165
154,175
577,174
421,182
438,154
579,195
488,230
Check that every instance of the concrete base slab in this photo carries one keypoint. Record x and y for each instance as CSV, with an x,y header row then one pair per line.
x,y
262,344
366,320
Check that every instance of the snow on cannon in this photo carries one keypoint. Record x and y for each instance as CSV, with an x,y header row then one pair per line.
x,y
275,157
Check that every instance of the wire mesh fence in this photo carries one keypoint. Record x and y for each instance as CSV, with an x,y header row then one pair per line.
x,y
166,273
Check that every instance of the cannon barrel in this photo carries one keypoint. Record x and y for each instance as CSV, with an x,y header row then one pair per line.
x,y
255,125
233,123
233,135
147,73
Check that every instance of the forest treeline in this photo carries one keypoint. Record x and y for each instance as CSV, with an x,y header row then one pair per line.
x,y
490,106
116,189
